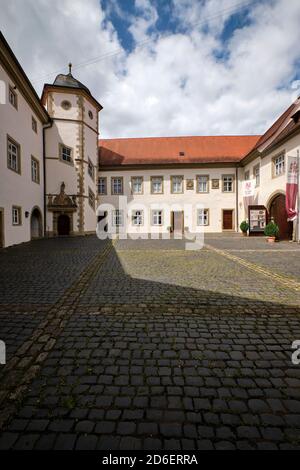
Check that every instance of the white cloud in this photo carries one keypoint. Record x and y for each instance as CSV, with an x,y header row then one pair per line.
x,y
173,85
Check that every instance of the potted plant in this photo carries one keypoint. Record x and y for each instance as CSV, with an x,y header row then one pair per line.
x,y
244,227
271,231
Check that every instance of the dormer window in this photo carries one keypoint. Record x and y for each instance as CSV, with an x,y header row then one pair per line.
x,y
181,154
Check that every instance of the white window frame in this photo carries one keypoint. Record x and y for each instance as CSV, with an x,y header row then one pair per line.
x,y
137,218
134,182
157,218
117,185
202,183
35,170
13,155
66,154
228,181
118,218
13,97
203,217
16,216
102,184
279,165
157,183
177,184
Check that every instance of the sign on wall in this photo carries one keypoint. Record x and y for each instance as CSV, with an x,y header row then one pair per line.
x,y
257,219
215,184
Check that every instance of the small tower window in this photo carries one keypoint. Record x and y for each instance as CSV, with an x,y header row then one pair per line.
x,y
66,105
91,116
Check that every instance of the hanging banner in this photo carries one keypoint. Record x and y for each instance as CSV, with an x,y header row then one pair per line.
x,y
248,191
291,188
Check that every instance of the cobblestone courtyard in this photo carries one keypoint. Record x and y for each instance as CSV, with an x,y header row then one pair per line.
x,y
144,345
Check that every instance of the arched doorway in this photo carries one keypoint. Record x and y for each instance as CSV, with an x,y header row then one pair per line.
x,y
278,213
36,227
63,225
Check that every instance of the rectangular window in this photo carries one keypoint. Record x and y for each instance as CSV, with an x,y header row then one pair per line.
x,y
256,172
157,216
16,215
34,125
91,199
13,97
91,169
137,185
202,217
117,185
279,165
202,183
247,175
156,184
66,153
228,184
117,218
137,218
177,184
13,156
35,170
102,186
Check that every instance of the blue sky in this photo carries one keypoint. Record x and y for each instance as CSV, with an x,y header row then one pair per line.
x,y
166,67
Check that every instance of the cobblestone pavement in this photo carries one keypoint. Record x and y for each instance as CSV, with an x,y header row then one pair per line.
x,y
148,346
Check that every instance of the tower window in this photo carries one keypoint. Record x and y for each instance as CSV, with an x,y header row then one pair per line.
x,y
66,105
91,116
91,199
65,153
91,169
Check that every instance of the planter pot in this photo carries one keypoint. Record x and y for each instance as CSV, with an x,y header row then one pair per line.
x,y
271,239
244,234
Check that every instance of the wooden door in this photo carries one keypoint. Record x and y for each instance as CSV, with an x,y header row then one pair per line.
x,y
278,213
177,222
227,219
63,225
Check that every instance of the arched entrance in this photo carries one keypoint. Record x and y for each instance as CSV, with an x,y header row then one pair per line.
x,y
278,213
36,226
63,225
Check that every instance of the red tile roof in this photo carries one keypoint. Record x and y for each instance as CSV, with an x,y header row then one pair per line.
x,y
166,150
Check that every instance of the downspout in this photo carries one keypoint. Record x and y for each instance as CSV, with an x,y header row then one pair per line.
x,y
237,198
48,126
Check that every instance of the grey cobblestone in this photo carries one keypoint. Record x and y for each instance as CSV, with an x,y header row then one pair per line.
x,y
152,356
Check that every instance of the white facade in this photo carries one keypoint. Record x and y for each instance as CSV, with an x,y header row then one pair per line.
x,y
212,199
21,141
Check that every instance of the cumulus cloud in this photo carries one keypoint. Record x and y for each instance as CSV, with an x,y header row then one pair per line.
x,y
191,81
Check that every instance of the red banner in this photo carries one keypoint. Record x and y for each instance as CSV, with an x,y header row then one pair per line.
x,y
292,188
